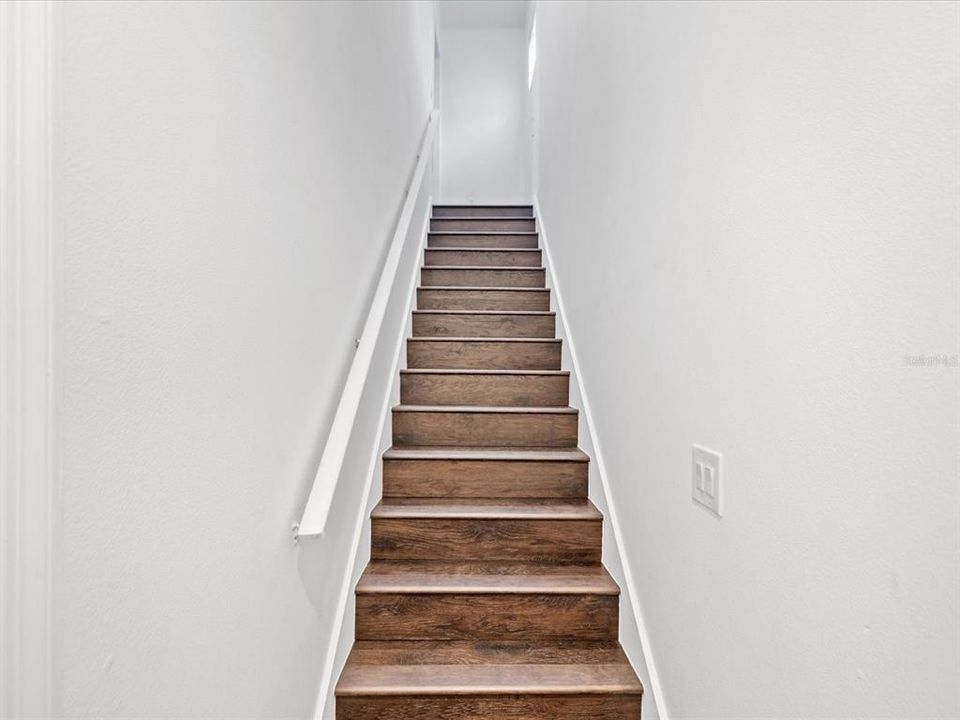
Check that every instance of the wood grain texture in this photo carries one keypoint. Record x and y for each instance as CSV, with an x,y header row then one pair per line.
x,y
512,707
485,596
474,652
489,353
480,276
484,426
481,224
474,473
482,240
518,616
485,509
477,323
479,257
481,298
531,530
489,678
483,211
485,578
556,541
484,387
404,673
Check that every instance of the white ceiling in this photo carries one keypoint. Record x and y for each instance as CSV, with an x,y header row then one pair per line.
x,y
483,13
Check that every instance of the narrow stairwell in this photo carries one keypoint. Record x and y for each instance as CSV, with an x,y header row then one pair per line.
x,y
485,596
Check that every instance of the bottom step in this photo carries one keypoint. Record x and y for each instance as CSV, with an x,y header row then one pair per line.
x,y
511,680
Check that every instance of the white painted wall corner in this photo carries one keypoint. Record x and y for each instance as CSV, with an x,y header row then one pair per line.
x,y
30,287
616,557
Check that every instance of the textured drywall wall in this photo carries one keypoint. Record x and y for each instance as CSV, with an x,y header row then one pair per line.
x,y
484,143
232,173
753,213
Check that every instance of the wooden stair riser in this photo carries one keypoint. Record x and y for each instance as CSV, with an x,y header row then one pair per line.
x,y
471,616
432,323
483,240
485,277
484,354
475,539
448,257
484,389
479,224
484,429
483,299
484,211
510,707
484,479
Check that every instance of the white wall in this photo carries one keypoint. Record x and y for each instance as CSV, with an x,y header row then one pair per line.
x,y
232,173
484,141
753,214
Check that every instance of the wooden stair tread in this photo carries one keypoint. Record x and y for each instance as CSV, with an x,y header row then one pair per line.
x,y
486,453
481,371
482,250
478,217
483,288
482,232
486,509
464,668
556,679
472,652
478,338
462,222
493,409
540,313
484,578
512,268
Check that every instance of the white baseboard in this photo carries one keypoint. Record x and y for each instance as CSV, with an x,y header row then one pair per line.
x,y
339,644
618,564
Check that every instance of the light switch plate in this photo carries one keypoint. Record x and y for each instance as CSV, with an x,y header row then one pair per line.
x,y
706,479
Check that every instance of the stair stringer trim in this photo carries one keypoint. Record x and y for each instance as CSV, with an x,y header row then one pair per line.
x,y
634,635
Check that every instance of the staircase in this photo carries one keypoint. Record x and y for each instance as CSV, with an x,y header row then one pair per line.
x,y
485,596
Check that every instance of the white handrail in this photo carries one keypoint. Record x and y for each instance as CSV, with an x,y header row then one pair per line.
x,y
315,513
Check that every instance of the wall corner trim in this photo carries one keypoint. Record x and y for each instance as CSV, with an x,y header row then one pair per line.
x,y
655,689
30,287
